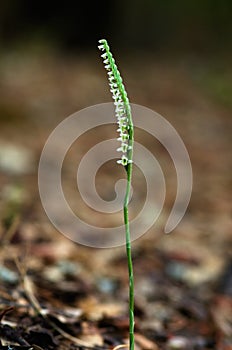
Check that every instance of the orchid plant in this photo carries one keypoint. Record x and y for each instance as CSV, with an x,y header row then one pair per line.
x,y
126,138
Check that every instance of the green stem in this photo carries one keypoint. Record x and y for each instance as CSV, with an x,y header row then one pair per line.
x,y
128,168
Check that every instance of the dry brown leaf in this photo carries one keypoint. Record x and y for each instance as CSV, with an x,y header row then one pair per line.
x,y
95,310
144,343
91,335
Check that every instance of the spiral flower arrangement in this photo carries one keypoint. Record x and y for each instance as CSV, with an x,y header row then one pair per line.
x,y
121,102
126,137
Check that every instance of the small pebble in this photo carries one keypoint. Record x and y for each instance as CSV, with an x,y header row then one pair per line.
x,y
106,285
178,342
62,269
176,270
69,268
7,275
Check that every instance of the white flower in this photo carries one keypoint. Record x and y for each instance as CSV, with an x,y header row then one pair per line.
x,y
119,95
123,160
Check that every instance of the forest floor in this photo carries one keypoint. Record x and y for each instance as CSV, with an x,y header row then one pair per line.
x,y
57,294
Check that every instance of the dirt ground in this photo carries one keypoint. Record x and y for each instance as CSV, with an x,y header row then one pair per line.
x,y
56,294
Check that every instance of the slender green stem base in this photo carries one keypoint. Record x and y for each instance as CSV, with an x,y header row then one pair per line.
x,y
129,257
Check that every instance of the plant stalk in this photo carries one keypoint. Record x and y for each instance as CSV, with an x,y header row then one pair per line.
x,y
126,132
128,169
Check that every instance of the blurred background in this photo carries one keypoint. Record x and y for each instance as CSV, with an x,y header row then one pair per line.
x,y
175,58
150,25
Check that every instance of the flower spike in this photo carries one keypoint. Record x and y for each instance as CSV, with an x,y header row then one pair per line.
x,y
121,103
